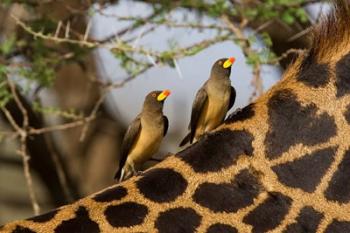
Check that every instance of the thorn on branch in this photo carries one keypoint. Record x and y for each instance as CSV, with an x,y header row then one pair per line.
x,y
66,34
58,29
87,30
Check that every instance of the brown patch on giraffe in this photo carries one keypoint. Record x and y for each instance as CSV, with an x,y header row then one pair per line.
x,y
338,227
127,214
178,220
162,185
339,186
112,194
313,74
218,150
228,197
44,217
269,214
347,114
306,172
221,228
20,229
241,114
80,224
291,124
342,70
307,221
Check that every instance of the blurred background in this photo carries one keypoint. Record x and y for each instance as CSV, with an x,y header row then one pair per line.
x,y
74,74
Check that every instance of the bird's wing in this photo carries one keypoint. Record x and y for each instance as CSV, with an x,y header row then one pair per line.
x,y
197,108
166,125
129,139
232,98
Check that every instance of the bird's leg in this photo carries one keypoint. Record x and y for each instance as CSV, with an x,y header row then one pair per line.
x,y
122,175
134,170
127,171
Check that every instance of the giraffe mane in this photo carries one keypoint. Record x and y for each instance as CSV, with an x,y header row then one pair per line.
x,y
331,36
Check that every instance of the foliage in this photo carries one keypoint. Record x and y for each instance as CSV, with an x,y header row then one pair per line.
x,y
44,58
287,10
7,45
70,114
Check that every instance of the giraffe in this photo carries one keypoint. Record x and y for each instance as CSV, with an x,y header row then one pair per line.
x,y
281,164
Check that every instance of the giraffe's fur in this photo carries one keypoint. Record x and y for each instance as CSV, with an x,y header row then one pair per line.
x,y
278,165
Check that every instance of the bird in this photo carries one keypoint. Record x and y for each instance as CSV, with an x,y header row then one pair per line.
x,y
144,135
213,100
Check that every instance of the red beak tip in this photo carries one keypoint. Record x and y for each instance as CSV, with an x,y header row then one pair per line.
x,y
232,59
167,92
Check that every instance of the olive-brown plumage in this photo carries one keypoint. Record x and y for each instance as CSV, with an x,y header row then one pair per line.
x,y
213,100
144,135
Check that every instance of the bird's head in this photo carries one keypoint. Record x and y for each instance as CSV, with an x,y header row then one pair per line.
x,y
222,67
154,100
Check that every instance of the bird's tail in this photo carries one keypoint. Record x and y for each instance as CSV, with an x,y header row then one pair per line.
x,y
186,139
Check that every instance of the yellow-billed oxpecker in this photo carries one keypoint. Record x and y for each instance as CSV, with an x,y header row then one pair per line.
x,y
144,135
213,100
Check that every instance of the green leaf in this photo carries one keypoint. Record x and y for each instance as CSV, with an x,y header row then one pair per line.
x,y
51,110
5,2
266,39
252,39
301,14
8,45
288,18
253,58
250,13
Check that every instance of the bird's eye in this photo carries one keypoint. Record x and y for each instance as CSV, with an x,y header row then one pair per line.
x,y
154,95
220,63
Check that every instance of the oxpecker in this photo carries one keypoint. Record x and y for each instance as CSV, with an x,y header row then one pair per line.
x,y
213,100
144,135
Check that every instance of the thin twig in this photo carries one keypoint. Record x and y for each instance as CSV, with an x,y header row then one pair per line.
x,y
247,50
25,158
256,82
26,168
12,121
62,177
51,38
22,131
19,104
74,124
299,34
263,26
285,55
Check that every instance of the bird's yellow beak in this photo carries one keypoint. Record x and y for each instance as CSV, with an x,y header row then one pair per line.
x,y
228,63
162,96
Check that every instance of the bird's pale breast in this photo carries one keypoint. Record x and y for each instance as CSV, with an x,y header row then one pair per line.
x,y
147,143
213,112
